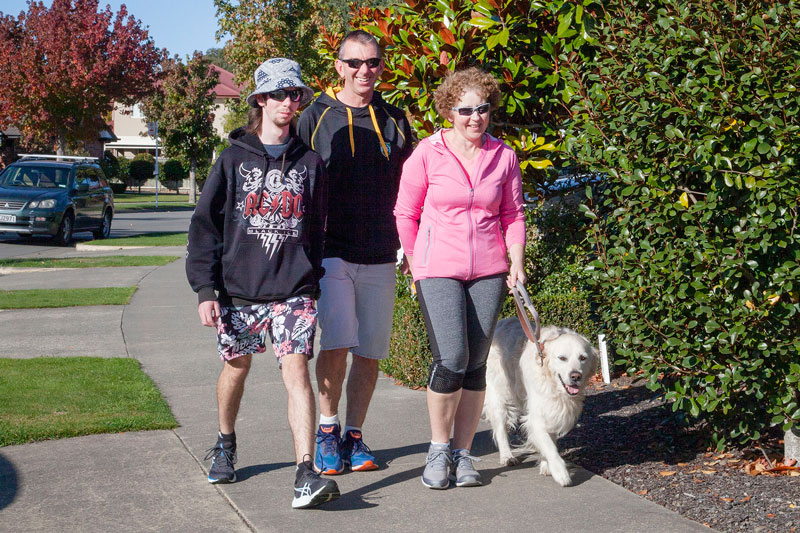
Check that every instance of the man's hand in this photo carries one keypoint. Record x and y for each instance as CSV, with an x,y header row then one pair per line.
x,y
209,313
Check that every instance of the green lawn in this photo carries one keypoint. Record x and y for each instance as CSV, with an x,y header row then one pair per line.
x,y
37,298
148,197
151,239
51,398
162,206
90,262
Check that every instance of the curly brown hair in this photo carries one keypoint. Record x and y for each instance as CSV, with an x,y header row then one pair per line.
x,y
457,83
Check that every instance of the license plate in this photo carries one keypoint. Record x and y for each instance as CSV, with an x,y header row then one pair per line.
x,y
8,218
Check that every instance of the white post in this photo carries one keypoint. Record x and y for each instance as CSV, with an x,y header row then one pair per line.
x,y
601,341
152,129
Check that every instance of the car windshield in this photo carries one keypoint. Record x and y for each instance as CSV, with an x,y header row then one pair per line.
x,y
43,177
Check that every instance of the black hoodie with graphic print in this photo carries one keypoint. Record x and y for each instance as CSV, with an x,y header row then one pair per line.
x,y
258,231
363,149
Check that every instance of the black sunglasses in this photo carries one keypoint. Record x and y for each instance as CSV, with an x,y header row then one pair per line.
x,y
280,95
355,64
468,111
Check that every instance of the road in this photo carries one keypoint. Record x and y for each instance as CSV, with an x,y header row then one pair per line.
x,y
125,224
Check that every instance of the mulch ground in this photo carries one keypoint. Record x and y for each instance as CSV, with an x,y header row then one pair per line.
x,y
629,437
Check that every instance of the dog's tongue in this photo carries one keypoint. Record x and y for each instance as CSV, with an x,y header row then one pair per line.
x,y
572,389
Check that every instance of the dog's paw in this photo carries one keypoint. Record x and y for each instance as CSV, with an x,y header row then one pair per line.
x,y
509,460
561,475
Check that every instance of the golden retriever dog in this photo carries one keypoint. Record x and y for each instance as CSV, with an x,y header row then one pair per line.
x,y
544,396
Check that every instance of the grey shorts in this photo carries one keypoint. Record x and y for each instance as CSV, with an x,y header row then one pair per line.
x,y
355,307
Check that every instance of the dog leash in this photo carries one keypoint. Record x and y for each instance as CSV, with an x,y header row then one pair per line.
x,y
523,303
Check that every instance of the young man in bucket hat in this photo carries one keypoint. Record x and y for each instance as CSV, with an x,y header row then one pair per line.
x,y
255,259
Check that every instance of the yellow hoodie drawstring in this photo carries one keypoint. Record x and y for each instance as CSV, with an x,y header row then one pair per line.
x,y
384,150
350,129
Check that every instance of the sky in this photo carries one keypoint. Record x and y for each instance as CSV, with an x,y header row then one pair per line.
x,y
180,26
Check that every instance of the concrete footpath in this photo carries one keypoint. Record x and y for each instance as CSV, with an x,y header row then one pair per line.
x,y
156,481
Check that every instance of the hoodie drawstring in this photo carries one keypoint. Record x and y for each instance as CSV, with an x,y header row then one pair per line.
x,y
384,151
350,128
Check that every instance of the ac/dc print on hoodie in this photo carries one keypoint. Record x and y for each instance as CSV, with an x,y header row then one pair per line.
x,y
257,233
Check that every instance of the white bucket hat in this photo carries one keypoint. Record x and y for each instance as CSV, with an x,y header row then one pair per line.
x,y
279,73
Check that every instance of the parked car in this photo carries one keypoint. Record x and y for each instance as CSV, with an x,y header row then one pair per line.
x,y
56,196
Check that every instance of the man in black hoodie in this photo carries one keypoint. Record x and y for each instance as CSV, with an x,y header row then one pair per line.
x,y
254,258
363,141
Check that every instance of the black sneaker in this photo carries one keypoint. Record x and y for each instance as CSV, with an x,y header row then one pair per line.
x,y
223,455
310,489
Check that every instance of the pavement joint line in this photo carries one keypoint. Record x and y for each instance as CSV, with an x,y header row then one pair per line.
x,y
219,490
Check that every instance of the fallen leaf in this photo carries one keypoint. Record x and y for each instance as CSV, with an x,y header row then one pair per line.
x,y
792,506
770,515
683,464
790,462
734,460
666,473
698,480
709,471
642,492
727,499
745,499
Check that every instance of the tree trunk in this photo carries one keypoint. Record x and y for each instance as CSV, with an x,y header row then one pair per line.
x,y
193,181
61,149
791,444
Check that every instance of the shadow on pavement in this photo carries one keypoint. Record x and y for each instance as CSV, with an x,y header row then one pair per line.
x,y
9,485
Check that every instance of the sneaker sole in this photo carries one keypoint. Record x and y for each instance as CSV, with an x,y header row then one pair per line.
x,y
325,494
472,483
435,487
330,471
222,480
368,465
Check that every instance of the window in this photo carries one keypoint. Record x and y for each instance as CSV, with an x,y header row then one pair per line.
x,y
137,111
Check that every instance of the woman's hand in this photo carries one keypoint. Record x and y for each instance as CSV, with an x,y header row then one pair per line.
x,y
516,272
405,268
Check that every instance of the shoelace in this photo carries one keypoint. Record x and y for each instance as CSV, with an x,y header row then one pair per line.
x,y
437,455
360,446
458,459
328,442
227,454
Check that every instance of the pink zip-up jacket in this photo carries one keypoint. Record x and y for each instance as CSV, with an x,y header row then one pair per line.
x,y
454,227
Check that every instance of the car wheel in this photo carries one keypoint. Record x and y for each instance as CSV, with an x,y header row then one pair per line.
x,y
64,235
105,229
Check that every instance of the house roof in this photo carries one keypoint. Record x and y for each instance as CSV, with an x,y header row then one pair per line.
x,y
226,88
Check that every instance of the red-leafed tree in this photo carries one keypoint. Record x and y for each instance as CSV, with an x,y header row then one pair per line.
x,y
61,68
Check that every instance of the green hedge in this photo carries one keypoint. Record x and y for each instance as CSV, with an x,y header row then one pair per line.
x,y
692,109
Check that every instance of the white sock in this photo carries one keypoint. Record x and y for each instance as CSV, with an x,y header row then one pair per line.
x,y
441,443
351,428
328,419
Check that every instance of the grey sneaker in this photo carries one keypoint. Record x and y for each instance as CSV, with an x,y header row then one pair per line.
x,y
437,467
223,456
464,472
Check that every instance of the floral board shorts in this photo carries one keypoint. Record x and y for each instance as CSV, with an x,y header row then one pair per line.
x,y
291,323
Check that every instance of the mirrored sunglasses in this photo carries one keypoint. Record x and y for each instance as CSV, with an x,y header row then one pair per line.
x,y
280,95
468,111
355,64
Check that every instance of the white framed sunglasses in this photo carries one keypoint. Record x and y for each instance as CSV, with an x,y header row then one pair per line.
x,y
482,109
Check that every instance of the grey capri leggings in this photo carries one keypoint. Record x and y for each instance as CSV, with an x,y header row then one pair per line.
x,y
460,317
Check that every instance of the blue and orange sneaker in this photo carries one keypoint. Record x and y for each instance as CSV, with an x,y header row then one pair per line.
x,y
356,453
328,458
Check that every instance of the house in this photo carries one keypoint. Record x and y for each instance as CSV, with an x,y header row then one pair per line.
x,y
130,127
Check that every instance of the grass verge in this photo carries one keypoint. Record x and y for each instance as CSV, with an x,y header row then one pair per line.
x,y
52,398
149,197
162,206
38,298
151,239
90,262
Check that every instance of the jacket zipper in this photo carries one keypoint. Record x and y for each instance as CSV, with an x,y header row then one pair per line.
x,y
427,247
469,213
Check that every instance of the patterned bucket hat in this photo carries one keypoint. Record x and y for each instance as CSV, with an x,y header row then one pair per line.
x,y
279,73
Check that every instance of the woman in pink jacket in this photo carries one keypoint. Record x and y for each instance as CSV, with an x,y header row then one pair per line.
x,y
460,216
